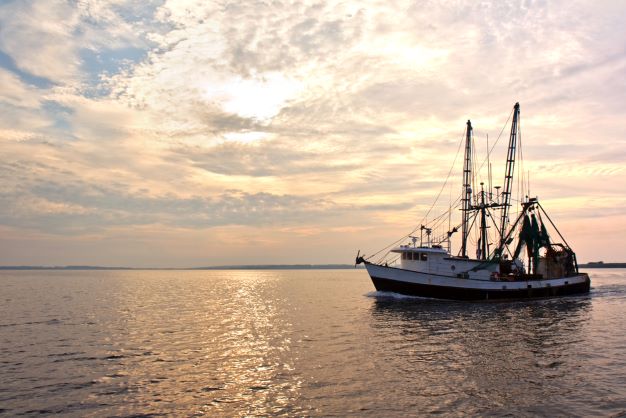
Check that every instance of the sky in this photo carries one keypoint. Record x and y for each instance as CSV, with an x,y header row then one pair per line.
x,y
184,133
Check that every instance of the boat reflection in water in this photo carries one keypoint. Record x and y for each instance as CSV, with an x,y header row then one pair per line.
x,y
498,357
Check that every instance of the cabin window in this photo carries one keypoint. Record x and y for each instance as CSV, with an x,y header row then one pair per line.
x,y
404,256
424,257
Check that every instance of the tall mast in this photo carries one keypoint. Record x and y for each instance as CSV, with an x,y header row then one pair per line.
x,y
467,190
484,239
508,177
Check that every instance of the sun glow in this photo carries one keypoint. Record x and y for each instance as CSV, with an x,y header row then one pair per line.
x,y
247,136
260,97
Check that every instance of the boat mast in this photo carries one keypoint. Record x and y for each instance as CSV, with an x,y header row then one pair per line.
x,y
484,244
467,190
508,177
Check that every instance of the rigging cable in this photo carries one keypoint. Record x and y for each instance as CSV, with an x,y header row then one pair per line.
x,y
429,210
497,139
441,190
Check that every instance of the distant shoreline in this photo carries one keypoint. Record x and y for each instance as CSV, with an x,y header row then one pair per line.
x,y
244,267
257,267
603,265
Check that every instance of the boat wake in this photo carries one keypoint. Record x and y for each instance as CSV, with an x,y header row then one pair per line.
x,y
391,295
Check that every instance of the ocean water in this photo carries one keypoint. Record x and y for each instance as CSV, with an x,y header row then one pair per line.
x,y
300,343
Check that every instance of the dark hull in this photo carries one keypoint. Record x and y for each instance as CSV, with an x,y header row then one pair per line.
x,y
456,293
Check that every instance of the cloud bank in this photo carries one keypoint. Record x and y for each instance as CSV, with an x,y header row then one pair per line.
x,y
191,133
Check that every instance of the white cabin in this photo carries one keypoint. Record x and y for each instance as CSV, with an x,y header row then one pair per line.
x,y
438,261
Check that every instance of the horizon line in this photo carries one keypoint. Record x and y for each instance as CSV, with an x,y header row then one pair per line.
x,y
221,267
330,266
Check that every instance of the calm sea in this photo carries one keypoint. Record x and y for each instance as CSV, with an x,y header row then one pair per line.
x,y
300,343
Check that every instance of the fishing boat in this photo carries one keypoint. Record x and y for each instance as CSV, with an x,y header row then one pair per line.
x,y
500,268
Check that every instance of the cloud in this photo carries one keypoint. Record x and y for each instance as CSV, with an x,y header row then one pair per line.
x,y
15,93
276,119
261,159
45,39
68,205
38,36
23,110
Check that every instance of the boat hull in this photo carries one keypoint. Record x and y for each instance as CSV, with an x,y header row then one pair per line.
x,y
406,282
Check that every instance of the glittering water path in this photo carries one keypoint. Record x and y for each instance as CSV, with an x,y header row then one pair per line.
x,y
300,343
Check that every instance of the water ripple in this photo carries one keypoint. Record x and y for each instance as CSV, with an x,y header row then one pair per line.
x,y
300,343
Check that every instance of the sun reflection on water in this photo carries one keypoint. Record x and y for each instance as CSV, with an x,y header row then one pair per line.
x,y
192,343
299,343
253,350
